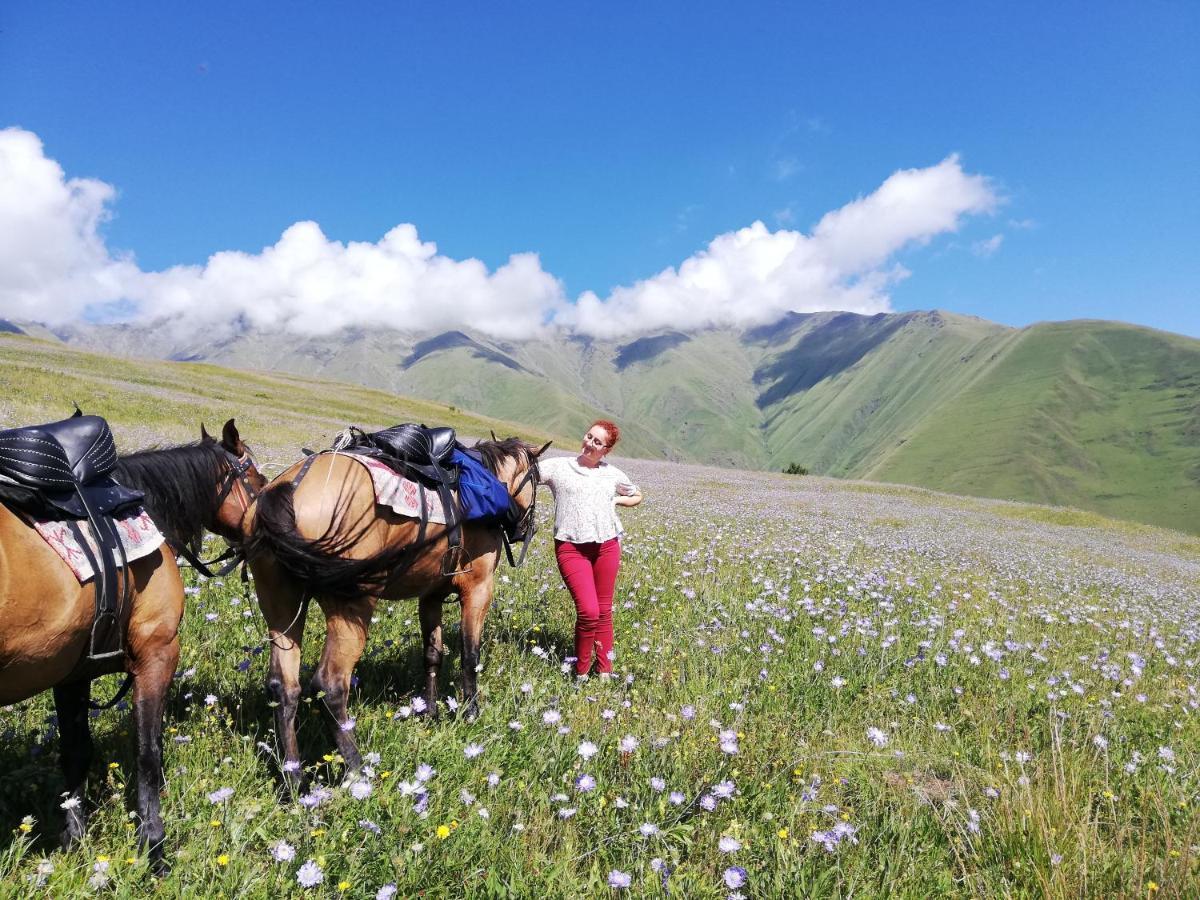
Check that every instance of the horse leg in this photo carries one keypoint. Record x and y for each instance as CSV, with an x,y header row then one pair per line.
x,y
152,673
475,602
346,624
75,740
430,607
283,607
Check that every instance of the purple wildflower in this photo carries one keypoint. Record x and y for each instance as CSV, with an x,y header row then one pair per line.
x,y
619,880
310,874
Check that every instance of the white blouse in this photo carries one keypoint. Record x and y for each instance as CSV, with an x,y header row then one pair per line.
x,y
584,511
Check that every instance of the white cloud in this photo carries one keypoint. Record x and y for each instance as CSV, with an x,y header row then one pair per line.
x,y
309,284
53,261
55,267
986,248
754,276
785,167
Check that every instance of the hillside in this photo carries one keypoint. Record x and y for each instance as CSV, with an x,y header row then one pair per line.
x,y
149,401
1071,410
1099,415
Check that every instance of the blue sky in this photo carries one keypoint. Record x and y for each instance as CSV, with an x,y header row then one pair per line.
x,y
615,142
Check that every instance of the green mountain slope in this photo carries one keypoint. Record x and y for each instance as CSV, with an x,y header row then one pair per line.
x,y
1090,414
146,400
1098,415
858,385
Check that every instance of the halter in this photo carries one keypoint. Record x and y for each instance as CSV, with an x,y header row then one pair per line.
x,y
519,525
238,467
236,474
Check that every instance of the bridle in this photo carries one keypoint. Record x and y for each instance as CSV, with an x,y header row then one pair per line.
x,y
239,466
236,474
520,524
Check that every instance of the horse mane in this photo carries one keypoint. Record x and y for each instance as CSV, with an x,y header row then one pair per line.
x,y
180,484
494,453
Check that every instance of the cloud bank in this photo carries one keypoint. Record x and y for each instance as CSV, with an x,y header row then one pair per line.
x,y
56,268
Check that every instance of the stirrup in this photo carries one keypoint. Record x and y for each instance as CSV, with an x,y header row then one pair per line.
x,y
453,561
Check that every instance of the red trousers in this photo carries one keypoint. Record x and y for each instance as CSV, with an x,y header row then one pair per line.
x,y
590,573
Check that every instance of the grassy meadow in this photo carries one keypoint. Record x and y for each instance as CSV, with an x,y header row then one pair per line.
x,y
823,688
151,402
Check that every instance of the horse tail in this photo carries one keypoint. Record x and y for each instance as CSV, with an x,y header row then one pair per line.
x,y
323,564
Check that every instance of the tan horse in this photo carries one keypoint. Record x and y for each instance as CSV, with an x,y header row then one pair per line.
x,y
46,620
327,539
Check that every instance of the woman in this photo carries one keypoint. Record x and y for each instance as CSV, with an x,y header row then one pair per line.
x,y
587,537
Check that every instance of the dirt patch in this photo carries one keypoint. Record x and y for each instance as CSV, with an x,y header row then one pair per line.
x,y
927,787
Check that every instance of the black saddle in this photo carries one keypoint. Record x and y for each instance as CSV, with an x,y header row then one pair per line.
x,y
426,450
420,454
62,470
66,467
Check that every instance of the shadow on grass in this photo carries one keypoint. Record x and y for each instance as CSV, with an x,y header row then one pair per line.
x,y
390,674
31,781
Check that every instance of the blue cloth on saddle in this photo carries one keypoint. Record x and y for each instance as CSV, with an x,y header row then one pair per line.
x,y
480,493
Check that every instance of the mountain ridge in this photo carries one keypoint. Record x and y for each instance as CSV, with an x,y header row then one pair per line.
x,y
1097,414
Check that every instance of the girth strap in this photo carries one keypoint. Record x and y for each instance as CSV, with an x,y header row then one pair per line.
x,y
112,593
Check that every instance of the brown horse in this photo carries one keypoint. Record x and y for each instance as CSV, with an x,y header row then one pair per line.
x,y
327,539
46,616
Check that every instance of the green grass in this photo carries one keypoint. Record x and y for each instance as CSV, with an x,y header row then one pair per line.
x,y
968,638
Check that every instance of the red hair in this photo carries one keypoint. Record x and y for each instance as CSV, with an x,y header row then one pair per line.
x,y
614,433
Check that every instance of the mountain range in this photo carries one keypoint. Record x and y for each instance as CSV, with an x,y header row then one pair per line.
x,y
1094,414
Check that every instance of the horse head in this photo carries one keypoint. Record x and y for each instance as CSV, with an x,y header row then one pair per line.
x,y
241,481
515,463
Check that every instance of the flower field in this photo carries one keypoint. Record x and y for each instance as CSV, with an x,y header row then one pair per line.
x,y
823,689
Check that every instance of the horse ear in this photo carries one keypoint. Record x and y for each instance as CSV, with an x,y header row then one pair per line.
x,y
205,437
495,440
230,439
545,447
78,412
